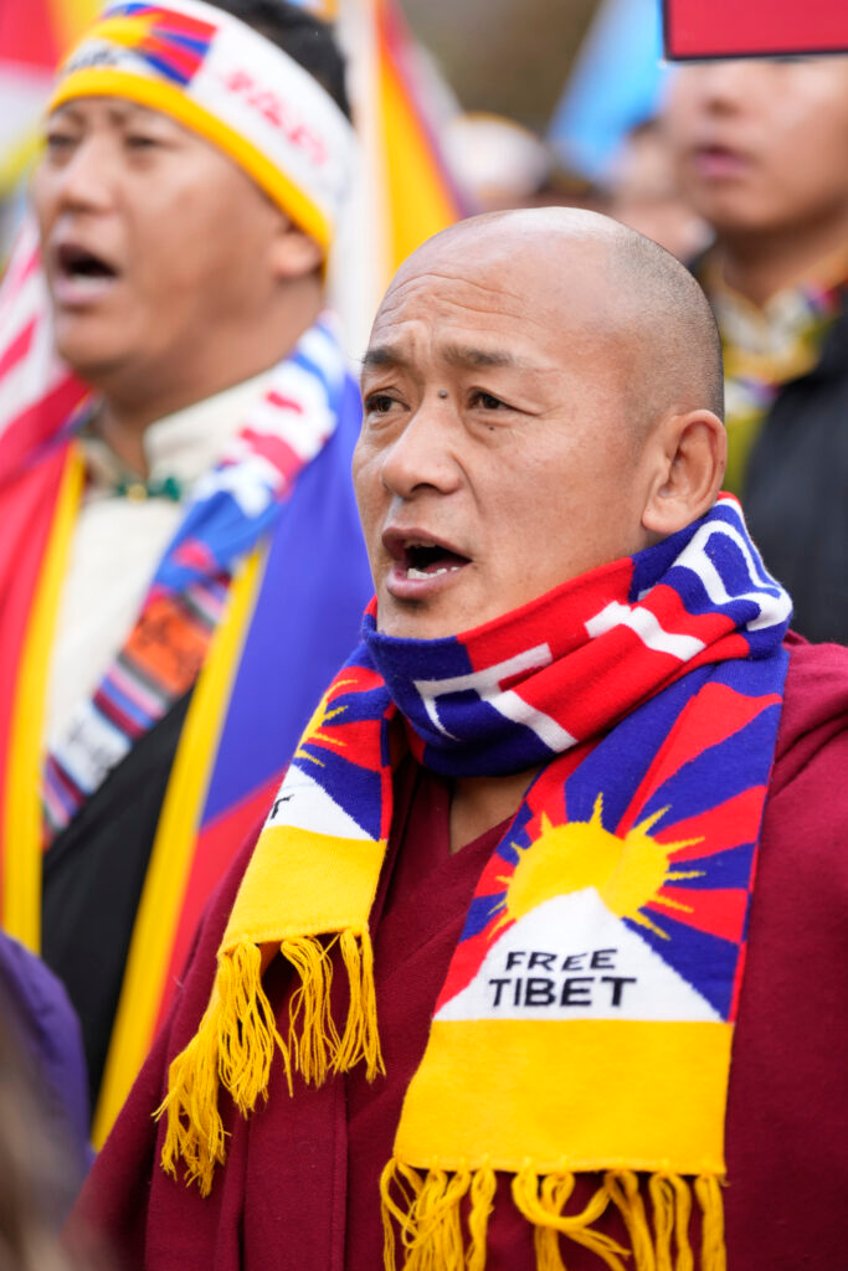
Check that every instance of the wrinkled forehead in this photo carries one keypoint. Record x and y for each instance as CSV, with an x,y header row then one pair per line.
x,y
470,294
448,294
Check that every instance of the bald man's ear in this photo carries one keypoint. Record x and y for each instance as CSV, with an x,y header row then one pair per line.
x,y
294,254
690,455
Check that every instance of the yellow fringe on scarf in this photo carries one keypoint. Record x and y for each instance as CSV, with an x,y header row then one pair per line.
x,y
430,1225
425,1210
238,1036
672,1203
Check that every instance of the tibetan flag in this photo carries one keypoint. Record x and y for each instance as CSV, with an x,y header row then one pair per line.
x,y
751,28
420,197
405,192
34,36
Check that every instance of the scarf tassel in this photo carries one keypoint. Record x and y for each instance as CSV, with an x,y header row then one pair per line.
x,y
425,1211
238,1036
430,1217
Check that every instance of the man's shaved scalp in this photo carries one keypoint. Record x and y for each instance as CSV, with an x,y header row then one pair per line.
x,y
680,357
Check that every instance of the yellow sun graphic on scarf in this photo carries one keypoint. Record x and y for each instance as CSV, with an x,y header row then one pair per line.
x,y
626,872
322,715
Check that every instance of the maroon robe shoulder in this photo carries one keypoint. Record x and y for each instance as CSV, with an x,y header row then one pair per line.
x,y
299,1190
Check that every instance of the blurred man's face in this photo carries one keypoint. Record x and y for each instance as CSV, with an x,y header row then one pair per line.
x,y
496,459
151,238
762,145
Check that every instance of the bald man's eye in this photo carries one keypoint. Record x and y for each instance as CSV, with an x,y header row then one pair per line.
x,y
487,401
378,403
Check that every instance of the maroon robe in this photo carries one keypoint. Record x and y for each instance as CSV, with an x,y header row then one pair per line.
x,y
299,1191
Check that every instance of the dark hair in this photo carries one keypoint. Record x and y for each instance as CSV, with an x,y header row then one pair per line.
x,y
311,42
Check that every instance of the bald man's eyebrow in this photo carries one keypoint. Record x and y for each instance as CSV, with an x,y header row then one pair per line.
x,y
466,355
461,355
382,355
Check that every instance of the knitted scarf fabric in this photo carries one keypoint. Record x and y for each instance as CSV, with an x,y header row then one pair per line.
x,y
587,1018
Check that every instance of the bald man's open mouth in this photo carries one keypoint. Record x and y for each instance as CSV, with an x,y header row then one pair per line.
x,y
420,560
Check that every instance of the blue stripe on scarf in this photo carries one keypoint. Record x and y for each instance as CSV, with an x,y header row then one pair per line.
x,y
520,747
726,768
723,869
355,788
730,562
625,753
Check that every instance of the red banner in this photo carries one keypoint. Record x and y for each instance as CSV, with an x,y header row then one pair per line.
x,y
752,28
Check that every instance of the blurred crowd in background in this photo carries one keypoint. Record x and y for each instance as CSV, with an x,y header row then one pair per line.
x,y
557,103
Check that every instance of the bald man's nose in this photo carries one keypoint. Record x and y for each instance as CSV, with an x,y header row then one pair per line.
x,y
423,456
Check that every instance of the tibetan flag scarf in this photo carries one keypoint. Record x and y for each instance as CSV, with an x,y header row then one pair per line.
x,y
231,510
213,586
586,1021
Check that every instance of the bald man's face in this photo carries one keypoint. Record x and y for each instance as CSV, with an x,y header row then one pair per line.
x,y
498,457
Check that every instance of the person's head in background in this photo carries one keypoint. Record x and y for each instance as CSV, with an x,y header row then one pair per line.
x,y
645,193
500,165
185,217
761,147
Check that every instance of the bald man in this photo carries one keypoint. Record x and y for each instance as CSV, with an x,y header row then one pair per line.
x,y
498,985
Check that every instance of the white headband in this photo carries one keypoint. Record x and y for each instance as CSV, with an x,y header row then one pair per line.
x,y
212,73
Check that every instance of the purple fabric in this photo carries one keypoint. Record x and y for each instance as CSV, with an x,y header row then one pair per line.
x,y
40,1017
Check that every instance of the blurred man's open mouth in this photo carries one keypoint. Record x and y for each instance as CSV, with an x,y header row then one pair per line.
x,y
718,162
80,275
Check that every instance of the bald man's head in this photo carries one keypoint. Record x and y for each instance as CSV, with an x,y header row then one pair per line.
x,y
679,358
665,343
541,393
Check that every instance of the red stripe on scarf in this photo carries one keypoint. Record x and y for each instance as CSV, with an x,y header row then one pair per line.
x,y
731,823
711,717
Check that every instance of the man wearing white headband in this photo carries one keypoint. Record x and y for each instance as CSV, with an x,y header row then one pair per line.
x,y
184,569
